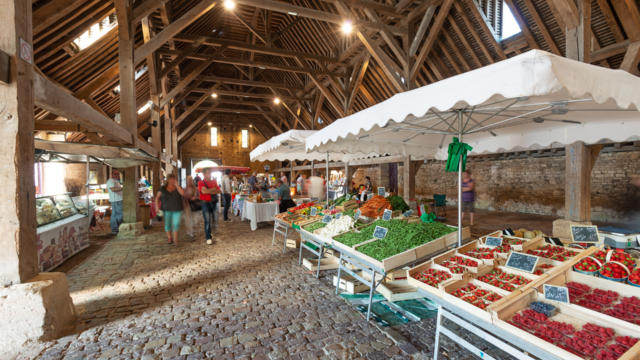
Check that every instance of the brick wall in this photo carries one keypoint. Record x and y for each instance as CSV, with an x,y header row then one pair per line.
x,y
229,150
536,185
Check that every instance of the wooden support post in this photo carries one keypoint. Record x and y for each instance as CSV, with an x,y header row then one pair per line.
x,y
19,259
580,159
347,178
408,180
130,195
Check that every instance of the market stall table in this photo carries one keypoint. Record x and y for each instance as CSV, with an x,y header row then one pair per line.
x,y
259,212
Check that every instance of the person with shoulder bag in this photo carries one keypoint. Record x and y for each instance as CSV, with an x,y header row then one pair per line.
x,y
170,197
190,203
209,190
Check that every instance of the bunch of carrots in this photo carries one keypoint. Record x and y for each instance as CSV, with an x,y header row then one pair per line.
x,y
375,207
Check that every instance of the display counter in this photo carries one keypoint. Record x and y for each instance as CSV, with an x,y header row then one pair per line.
x,y
62,230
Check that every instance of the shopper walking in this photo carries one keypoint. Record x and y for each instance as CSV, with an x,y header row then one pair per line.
x,y
252,182
209,190
114,187
284,196
190,194
468,195
226,194
170,198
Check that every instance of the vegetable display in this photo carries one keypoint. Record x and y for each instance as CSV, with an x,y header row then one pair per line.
x,y
375,207
397,203
402,237
314,226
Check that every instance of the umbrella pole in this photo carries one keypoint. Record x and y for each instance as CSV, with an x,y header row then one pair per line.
x,y
327,178
460,182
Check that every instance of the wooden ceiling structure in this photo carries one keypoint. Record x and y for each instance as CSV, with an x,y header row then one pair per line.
x,y
292,50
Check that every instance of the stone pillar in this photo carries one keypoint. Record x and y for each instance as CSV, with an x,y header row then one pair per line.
x,y
27,312
383,178
579,162
348,175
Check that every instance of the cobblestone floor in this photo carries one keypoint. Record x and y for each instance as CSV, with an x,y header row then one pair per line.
x,y
240,298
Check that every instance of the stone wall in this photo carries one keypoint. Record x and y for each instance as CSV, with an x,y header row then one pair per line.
x,y
536,185
229,150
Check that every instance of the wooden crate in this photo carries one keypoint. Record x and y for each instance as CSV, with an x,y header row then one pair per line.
x,y
349,284
566,313
327,263
398,290
528,243
293,243
453,252
425,266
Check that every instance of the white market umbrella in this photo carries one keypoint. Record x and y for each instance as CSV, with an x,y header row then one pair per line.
x,y
531,101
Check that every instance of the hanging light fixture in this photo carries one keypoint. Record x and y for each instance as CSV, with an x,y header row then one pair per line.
x,y
347,27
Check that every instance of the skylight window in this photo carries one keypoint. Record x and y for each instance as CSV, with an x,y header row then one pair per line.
x,y
95,32
245,138
214,136
510,26
144,107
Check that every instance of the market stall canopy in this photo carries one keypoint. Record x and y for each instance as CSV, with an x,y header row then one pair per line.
x,y
531,101
117,157
290,146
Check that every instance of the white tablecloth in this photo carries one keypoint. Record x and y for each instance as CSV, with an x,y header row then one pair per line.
x,y
259,212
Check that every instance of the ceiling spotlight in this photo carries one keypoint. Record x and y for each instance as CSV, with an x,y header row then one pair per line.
x,y
229,4
250,125
347,27
209,123
214,95
276,101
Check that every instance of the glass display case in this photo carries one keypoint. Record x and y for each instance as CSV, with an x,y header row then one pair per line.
x,y
65,206
46,211
80,202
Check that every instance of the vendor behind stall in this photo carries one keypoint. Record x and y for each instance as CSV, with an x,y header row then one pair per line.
x,y
284,195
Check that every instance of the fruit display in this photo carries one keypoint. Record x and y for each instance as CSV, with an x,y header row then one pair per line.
x,y
608,302
553,252
590,340
634,278
504,280
618,255
432,277
477,297
614,270
527,234
375,207
305,208
542,268
296,218
397,203
588,265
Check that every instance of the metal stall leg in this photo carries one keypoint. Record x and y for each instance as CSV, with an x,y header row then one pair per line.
x,y
372,289
300,253
339,271
320,255
286,235
436,343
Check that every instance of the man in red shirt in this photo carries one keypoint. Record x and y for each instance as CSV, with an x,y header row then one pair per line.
x,y
209,190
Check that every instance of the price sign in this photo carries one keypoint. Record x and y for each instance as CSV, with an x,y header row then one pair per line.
x,y
348,196
326,219
421,208
314,211
408,213
381,191
386,215
520,261
584,233
493,241
356,216
338,216
556,293
553,240
380,232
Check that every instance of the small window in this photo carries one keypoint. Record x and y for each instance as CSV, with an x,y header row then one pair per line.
x,y
510,26
214,136
95,32
245,139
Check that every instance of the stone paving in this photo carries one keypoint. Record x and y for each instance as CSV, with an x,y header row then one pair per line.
x,y
240,298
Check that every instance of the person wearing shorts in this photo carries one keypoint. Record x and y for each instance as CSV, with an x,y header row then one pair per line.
x,y
468,195
170,197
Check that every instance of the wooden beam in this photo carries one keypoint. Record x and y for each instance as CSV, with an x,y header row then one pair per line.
x,y
253,31
173,29
194,106
284,7
98,82
244,46
388,38
126,43
566,11
609,51
55,125
356,82
270,120
196,123
51,12
145,9
252,83
244,94
422,29
184,82
486,26
629,14
385,63
631,59
443,12
154,88
56,99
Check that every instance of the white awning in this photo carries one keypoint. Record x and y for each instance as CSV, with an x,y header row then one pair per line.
x,y
531,101
290,146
